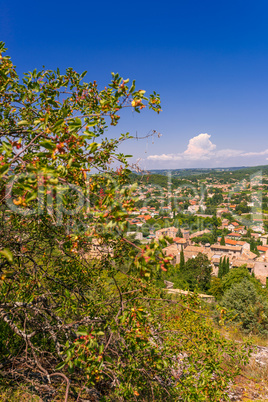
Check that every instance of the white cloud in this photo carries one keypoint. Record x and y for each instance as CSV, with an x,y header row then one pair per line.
x,y
201,147
265,152
228,153
166,157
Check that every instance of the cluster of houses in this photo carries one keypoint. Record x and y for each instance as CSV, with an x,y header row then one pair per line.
x,y
237,251
155,199
195,196
235,248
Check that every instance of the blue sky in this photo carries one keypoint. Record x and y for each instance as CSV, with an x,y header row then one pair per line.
x,y
207,59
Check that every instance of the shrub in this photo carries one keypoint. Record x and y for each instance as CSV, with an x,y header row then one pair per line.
x,y
249,308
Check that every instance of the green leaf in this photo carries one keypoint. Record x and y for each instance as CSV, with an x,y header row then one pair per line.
x,y
89,134
4,169
7,146
83,333
75,125
47,144
132,86
83,74
70,161
58,125
71,364
46,118
93,147
31,196
60,366
23,123
7,254
92,123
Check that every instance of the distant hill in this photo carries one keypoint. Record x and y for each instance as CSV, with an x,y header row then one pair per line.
x,y
180,176
200,171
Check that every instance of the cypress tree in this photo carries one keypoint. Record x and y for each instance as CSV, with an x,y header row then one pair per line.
x,y
182,262
222,243
224,266
179,233
220,273
252,245
227,266
214,234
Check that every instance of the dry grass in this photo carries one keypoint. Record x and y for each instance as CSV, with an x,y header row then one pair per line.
x,y
248,390
252,384
10,392
18,395
235,334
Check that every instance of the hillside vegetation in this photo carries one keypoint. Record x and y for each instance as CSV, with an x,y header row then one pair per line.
x,y
81,314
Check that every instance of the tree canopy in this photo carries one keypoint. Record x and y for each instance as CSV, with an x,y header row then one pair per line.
x,y
78,299
197,272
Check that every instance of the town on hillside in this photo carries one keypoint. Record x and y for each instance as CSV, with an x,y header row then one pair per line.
x,y
223,215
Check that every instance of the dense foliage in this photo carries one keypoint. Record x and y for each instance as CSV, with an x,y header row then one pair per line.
x,y
249,309
224,267
78,300
193,275
197,272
